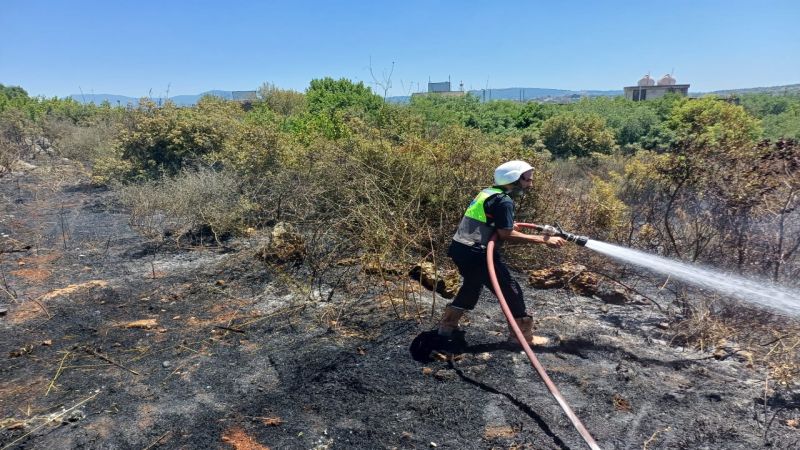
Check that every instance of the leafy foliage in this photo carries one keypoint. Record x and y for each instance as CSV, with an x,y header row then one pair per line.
x,y
441,112
165,140
12,92
578,135
685,177
331,101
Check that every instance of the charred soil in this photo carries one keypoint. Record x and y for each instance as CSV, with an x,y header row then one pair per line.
x,y
111,341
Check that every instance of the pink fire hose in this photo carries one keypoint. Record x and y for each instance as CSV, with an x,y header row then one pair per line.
x,y
576,422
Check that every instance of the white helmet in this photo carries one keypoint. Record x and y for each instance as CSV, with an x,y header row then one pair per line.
x,y
510,172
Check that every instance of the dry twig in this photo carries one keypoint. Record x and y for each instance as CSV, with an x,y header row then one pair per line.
x,y
109,360
58,372
647,442
52,418
160,438
49,316
235,330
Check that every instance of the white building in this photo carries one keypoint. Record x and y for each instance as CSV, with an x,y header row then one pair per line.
x,y
648,89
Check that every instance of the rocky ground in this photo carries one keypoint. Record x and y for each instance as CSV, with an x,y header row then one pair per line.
x,y
110,341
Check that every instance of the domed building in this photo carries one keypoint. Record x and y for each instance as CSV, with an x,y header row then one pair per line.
x,y
666,80
647,88
646,81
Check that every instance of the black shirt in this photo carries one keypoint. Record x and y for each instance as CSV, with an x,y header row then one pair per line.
x,y
501,209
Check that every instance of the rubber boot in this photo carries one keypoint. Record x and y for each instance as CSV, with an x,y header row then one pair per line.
x,y
525,325
449,322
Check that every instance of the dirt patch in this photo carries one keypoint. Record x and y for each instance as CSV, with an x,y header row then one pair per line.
x,y
34,275
240,440
10,389
40,260
36,306
495,432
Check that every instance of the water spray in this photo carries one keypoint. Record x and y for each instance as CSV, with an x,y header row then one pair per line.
x,y
763,293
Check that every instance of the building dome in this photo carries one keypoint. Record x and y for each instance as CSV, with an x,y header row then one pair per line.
x,y
646,81
666,80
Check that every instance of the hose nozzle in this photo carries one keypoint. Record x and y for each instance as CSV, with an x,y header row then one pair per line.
x,y
569,237
577,239
556,230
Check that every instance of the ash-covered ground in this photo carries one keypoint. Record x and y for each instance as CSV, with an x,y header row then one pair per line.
x,y
110,341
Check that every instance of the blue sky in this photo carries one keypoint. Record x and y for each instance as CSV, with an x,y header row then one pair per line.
x,y
125,47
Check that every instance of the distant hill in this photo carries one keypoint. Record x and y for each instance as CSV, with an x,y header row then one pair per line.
x,y
115,100
121,100
514,93
785,89
525,94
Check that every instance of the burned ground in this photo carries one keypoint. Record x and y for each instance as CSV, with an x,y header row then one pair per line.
x,y
111,341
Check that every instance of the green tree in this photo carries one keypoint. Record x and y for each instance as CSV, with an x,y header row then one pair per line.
x,y
326,96
779,114
498,117
783,125
532,114
331,101
12,92
711,125
439,112
579,135
762,104
631,122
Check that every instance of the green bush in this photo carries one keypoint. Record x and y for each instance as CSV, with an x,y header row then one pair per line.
x,y
711,125
783,125
162,141
580,135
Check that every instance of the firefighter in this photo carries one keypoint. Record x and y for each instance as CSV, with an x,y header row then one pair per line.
x,y
491,211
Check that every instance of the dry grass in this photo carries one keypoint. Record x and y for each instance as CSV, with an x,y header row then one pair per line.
x,y
35,307
188,203
758,338
86,142
620,403
498,432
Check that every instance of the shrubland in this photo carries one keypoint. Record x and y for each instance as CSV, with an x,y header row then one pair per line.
x,y
702,180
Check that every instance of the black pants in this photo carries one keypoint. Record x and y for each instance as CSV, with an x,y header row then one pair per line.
x,y
471,263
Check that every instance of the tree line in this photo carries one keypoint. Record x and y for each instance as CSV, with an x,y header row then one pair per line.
x,y
708,180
